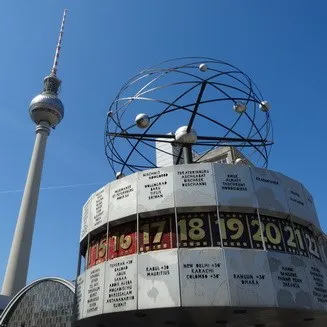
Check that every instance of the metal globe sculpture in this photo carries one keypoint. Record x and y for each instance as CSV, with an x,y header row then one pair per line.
x,y
216,103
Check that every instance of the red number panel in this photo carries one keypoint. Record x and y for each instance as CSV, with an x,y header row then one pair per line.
x,y
97,250
155,234
122,240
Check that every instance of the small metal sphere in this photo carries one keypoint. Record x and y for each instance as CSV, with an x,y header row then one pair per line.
x,y
203,67
240,107
182,136
264,106
119,175
142,120
46,107
110,113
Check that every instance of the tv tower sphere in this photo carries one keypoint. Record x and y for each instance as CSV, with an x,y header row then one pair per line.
x,y
47,107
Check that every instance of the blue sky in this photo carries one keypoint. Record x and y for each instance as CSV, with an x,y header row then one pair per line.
x,y
280,44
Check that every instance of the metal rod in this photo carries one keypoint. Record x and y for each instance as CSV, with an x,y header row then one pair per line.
x,y
187,153
172,137
189,126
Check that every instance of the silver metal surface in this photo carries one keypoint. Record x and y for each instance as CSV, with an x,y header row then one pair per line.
x,y
203,278
94,290
316,273
231,187
121,284
295,197
312,213
46,107
80,288
269,191
290,282
194,185
100,208
246,287
224,279
86,221
156,189
234,187
158,280
123,197
249,277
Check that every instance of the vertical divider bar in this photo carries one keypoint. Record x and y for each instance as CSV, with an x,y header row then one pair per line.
x,y
87,252
108,227
320,247
78,272
176,226
107,254
105,262
176,230
258,213
107,242
170,230
210,229
137,239
217,204
282,233
221,240
296,239
259,220
88,233
289,216
261,229
249,229
85,264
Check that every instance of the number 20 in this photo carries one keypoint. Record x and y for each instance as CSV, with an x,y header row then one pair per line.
x,y
267,230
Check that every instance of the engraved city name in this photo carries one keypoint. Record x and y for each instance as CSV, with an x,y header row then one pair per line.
x,y
121,285
234,183
191,178
123,192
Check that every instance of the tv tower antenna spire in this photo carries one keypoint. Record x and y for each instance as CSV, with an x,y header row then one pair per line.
x,y
46,110
58,47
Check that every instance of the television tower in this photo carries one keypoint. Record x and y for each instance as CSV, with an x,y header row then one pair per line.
x,y
46,111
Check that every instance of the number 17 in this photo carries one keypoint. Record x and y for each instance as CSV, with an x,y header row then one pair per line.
x,y
160,225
